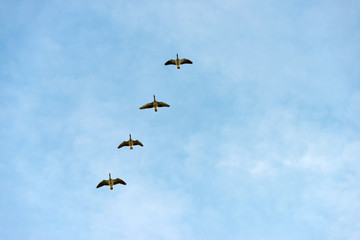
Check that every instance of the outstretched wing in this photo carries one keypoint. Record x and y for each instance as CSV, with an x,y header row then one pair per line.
x,y
118,180
148,105
185,61
137,142
103,183
170,62
124,143
162,104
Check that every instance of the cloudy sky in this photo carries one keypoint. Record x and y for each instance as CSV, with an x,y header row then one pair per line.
x,y
262,139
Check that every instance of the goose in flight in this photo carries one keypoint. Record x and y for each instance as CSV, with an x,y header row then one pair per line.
x,y
178,61
155,104
130,143
111,182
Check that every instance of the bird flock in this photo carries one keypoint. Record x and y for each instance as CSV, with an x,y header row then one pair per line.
x,y
131,143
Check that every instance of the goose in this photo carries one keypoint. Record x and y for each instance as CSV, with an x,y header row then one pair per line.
x,y
178,61
111,182
130,143
155,104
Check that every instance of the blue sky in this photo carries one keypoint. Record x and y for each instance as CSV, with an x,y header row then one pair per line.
x,y
262,139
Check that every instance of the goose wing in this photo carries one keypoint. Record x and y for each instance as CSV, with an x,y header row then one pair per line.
x,y
185,61
148,105
170,62
118,180
103,183
162,104
137,142
124,143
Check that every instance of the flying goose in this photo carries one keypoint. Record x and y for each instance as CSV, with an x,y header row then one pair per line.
x,y
111,182
178,61
155,104
130,143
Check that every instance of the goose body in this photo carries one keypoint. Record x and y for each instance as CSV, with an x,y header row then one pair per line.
x,y
111,182
178,61
130,143
155,104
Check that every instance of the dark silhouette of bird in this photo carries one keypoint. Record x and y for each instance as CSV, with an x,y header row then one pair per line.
x,y
178,61
155,104
130,143
111,182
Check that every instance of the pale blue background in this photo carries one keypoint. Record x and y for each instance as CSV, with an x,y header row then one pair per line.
x,y
262,139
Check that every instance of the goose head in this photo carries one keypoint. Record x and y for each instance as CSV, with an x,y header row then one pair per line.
x,y
130,136
154,99
177,56
109,176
